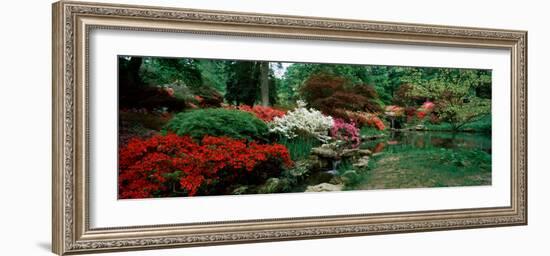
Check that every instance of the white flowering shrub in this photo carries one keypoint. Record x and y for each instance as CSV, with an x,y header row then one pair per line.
x,y
302,122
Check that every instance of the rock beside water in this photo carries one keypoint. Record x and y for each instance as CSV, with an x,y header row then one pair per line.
x,y
364,152
240,190
325,187
327,155
420,127
336,180
325,152
301,168
349,152
363,162
331,153
272,185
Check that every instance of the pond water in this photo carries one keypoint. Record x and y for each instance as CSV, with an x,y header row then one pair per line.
x,y
430,139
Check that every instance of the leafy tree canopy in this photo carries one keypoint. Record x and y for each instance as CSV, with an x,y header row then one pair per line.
x,y
159,71
462,96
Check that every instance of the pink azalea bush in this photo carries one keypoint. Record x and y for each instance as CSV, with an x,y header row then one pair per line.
x,y
394,110
425,109
348,132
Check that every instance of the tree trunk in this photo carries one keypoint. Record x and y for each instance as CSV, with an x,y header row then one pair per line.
x,y
264,82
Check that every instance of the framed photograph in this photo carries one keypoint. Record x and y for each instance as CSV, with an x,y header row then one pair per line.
x,y
178,127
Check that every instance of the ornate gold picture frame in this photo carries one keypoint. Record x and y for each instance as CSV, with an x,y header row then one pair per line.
x,y
72,24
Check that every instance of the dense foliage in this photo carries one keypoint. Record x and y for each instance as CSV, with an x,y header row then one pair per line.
x,y
172,165
332,95
169,83
213,74
151,98
299,147
298,73
205,97
155,71
337,97
244,80
218,122
385,79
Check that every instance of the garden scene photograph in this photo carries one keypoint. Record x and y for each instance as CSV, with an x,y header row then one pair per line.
x,y
206,127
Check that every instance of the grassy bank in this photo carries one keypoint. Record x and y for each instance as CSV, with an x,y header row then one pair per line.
x,y
482,125
410,167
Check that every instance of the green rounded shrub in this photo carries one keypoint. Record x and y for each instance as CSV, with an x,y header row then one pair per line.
x,y
218,122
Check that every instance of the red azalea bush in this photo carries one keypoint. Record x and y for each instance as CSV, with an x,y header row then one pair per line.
x,y
267,114
366,119
359,118
173,165
376,122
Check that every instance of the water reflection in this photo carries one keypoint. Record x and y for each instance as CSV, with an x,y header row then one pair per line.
x,y
425,139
